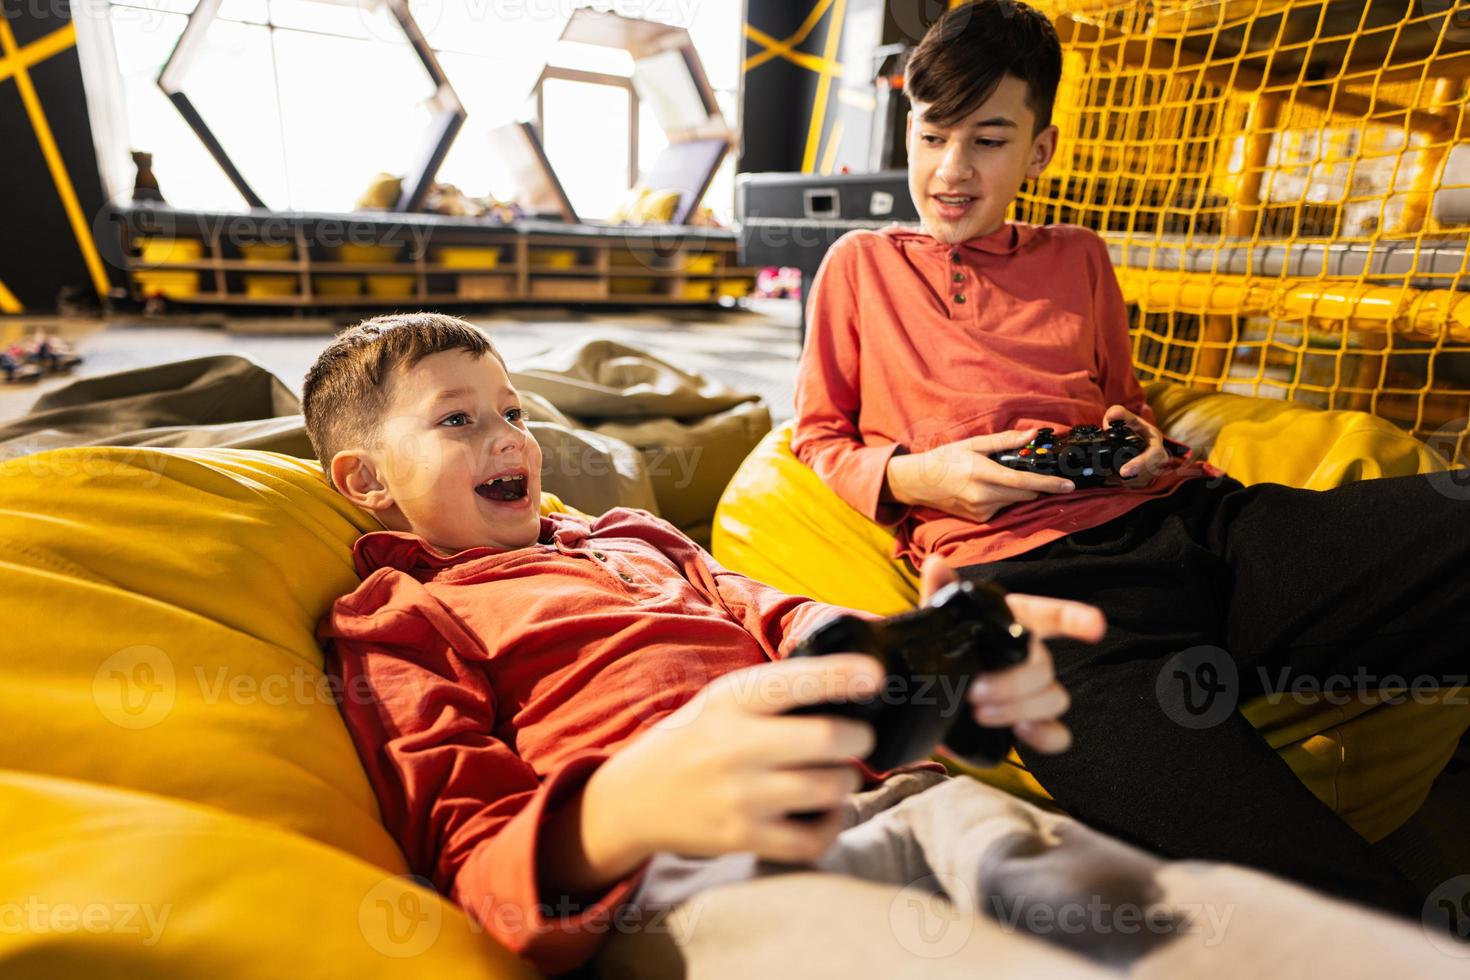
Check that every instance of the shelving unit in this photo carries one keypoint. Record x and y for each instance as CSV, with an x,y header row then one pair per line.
x,y
527,262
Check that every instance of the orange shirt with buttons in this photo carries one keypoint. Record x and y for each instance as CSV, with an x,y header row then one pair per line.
x,y
915,343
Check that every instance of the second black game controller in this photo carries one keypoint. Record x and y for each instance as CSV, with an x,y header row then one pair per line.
x,y
1087,455
931,655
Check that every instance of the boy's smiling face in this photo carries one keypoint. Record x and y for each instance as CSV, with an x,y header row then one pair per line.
x,y
454,462
977,163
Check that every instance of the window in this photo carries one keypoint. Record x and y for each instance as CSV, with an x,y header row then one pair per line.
x,y
312,98
586,122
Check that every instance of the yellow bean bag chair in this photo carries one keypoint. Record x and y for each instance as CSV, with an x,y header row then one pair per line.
x,y
779,523
171,746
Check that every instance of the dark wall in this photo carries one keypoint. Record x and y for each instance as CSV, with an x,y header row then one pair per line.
x,y
42,253
780,96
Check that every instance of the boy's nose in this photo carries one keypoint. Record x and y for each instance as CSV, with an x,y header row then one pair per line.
x,y
955,167
509,437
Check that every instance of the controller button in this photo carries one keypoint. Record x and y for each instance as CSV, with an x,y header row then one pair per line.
x,y
1042,451
1025,452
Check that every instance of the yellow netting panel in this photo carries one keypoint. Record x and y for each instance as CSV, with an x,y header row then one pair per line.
x,y
1284,194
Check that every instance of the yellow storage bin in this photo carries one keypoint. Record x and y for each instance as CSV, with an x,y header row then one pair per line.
x,y
260,252
365,253
169,283
162,251
734,288
390,286
699,290
700,265
337,285
270,287
464,257
554,258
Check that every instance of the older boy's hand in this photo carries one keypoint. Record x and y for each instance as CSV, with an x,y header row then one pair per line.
x,y
960,478
727,770
1028,696
1140,472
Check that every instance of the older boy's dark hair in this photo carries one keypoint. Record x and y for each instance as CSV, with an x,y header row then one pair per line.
x,y
347,389
965,54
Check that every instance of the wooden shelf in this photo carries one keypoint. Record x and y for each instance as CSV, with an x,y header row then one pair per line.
x,y
443,299
221,278
565,270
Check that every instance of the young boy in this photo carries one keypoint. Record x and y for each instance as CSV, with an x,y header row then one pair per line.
x,y
927,351
555,701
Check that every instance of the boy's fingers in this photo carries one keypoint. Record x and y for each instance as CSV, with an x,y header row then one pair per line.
x,y
778,687
1050,737
1003,477
1006,495
779,792
1013,684
1152,461
1046,618
807,740
935,575
994,442
1048,704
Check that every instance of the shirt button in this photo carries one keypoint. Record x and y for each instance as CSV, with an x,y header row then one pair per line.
x,y
954,256
625,576
959,277
959,297
599,556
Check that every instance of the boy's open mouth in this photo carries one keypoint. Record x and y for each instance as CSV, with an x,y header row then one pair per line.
x,y
511,486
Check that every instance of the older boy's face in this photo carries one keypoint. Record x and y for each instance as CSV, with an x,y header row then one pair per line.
x,y
963,176
456,458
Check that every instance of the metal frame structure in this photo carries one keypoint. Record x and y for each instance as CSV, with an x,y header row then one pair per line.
x,y
449,112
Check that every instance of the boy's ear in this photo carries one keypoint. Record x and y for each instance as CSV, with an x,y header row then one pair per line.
x,y
1043,148
354,475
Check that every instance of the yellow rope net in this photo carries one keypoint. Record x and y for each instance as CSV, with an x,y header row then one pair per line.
x,y
1281,187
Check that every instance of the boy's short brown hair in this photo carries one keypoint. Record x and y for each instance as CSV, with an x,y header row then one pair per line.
x,y
347,389
963,57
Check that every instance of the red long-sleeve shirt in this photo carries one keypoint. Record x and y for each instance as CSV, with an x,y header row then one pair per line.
x,y
482,689
915,343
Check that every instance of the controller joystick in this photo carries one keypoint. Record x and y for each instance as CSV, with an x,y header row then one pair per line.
x,y
931,655
1087,455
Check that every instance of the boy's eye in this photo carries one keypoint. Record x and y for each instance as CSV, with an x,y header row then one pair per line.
x,y
515,414
983,142
457,420
930,138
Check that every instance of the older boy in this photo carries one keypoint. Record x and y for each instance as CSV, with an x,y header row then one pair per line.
x,y
928,351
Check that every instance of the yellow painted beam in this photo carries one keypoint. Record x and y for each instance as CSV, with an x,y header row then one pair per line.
x,y
8,302
782,49
830,157
824,85
37,51
801,59
81,228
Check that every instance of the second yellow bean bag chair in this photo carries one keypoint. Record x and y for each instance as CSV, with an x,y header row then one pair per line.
x,y
779,523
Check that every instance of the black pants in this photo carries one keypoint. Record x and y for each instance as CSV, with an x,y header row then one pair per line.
x,y
1344,589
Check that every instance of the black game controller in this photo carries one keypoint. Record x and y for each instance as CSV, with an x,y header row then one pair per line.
x,y
931,654
1087,455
